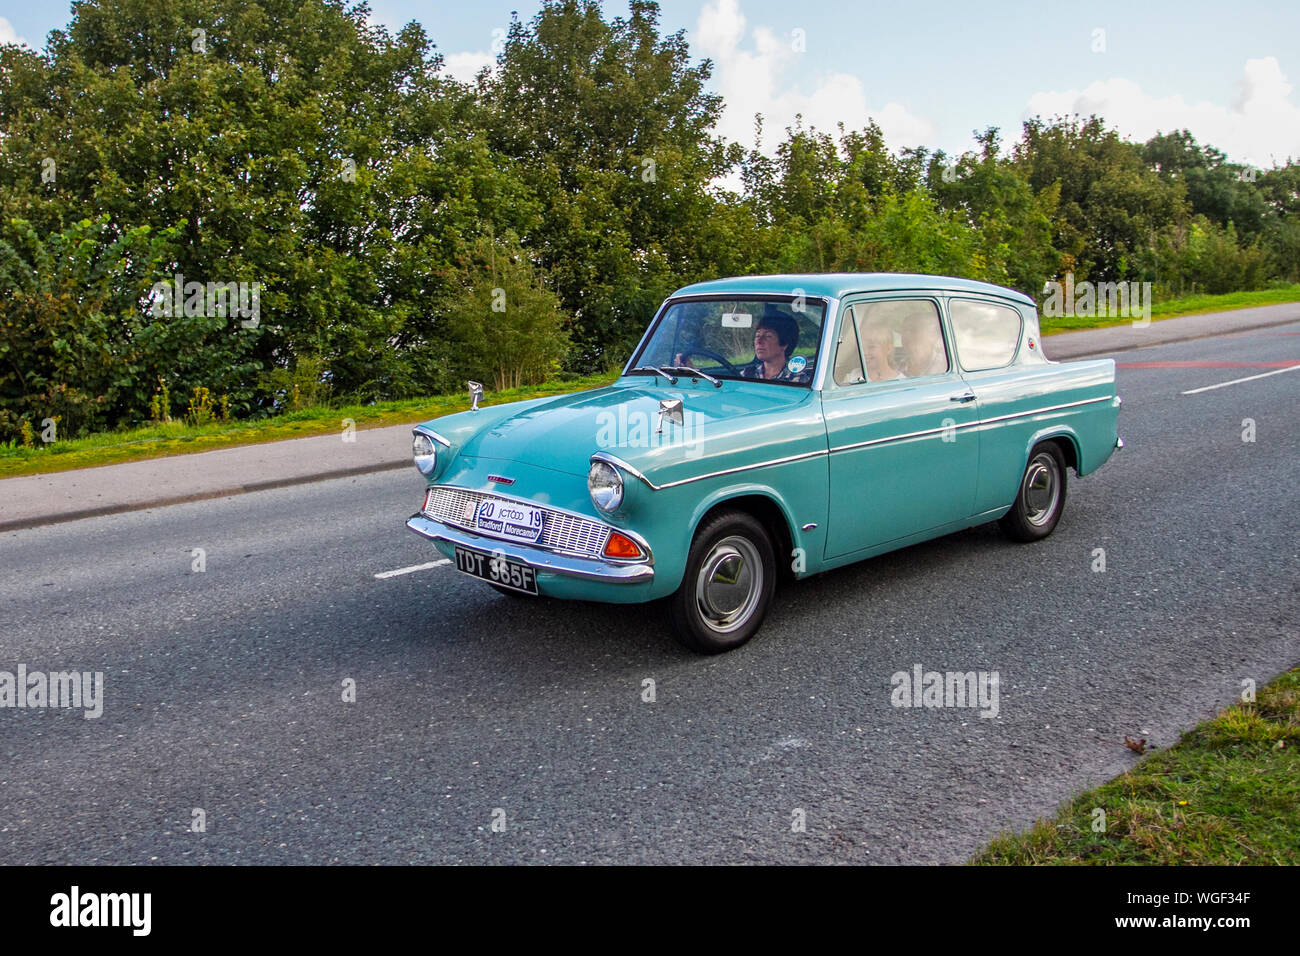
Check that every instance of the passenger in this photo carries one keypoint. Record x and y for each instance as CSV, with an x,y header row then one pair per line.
x,y
878,350
923,347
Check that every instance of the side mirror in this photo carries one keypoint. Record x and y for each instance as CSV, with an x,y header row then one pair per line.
x,y
475,395
671,409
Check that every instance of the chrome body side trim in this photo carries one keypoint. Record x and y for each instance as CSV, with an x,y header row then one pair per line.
x,y
1043,411
424,430
620,463
617,462
975,424
636,473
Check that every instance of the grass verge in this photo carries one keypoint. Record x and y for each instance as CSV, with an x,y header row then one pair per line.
x,y
1174,308
1228,793
175,438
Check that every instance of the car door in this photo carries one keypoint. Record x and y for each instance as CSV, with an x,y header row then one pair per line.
x,y
903,457
988,335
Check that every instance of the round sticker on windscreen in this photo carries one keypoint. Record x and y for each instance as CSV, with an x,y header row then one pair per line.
x,y
796,364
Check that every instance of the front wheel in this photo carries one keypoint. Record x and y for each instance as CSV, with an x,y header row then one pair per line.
x,y
727,587
1041,498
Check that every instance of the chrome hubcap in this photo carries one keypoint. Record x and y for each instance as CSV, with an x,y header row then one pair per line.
x,y
729,584
1041,490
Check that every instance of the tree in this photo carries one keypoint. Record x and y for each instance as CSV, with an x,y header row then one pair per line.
x,y
76,344
1221,191
1015,221
1111,205
610,126
501,322
281,142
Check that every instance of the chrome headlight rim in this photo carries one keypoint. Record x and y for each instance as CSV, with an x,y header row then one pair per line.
x,y
605,486
424,451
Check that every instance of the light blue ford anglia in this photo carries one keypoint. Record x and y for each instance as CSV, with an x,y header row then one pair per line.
x,y
765,428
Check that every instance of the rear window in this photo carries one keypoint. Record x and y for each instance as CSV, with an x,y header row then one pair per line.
x,y
986,334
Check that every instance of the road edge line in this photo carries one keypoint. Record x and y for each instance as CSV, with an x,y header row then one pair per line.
x,y
22,524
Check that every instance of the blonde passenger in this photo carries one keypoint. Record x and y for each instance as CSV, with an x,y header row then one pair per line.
x,y
878,350
923,347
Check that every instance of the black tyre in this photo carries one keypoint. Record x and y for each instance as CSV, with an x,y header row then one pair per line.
x,y
1041,498
727,588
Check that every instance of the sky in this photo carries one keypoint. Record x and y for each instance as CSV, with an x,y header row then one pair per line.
x,y
932,73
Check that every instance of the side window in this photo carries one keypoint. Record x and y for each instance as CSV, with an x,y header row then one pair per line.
x,y
848,360
899,338
987,335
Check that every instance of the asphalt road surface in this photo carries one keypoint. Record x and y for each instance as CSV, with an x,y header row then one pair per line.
x,y
223,688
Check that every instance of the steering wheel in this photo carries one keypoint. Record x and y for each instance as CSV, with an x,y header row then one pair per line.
x,y
709,353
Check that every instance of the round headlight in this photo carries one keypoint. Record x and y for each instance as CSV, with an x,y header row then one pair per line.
x,y
425,453
605,485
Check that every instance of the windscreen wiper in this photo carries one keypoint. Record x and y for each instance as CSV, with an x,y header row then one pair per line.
x,y
695,371
672,380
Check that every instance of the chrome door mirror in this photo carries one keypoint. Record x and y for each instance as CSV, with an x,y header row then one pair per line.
x,y
671,409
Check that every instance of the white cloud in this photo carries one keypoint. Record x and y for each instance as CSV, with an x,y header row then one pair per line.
x,y
465,66
8,34
772,77
1261,124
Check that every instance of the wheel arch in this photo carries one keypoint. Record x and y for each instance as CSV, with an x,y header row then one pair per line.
x,y
767,508
1064,437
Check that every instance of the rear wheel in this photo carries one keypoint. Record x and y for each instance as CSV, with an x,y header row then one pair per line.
x,y
1041,498
728,584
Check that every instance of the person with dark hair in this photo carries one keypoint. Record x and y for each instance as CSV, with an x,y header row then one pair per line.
x,y
775,338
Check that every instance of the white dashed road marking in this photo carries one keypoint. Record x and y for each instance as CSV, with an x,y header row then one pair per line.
x,y
1238,381
414,567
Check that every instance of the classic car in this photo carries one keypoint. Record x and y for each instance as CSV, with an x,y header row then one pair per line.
x,y
766,429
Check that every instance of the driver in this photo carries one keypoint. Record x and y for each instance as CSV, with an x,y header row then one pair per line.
x,y
775,338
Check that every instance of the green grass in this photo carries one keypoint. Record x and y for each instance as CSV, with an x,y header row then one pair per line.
x,y
1227,793
1173,308
173,438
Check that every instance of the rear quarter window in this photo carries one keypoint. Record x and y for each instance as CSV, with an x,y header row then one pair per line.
x,y
986,334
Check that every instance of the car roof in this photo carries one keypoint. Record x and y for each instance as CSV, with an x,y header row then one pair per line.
x,y
838,284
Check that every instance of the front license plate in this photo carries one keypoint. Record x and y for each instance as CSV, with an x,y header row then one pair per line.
x,y
508,519
497,569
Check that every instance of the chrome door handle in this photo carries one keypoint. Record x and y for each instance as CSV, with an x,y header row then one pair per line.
x,y
968,397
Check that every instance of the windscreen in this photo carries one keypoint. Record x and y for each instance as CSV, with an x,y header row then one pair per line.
x,y
770,340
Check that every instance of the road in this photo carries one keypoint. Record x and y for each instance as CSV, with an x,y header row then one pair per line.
x,y
223,688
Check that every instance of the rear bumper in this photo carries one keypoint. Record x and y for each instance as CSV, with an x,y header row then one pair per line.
x,y
543,561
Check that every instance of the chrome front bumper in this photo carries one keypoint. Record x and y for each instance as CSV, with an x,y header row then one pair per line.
x,y
611,572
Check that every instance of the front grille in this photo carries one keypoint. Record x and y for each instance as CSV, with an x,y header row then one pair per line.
x,y
566,533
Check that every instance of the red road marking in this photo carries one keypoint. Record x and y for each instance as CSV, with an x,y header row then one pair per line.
x,y
1287,364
